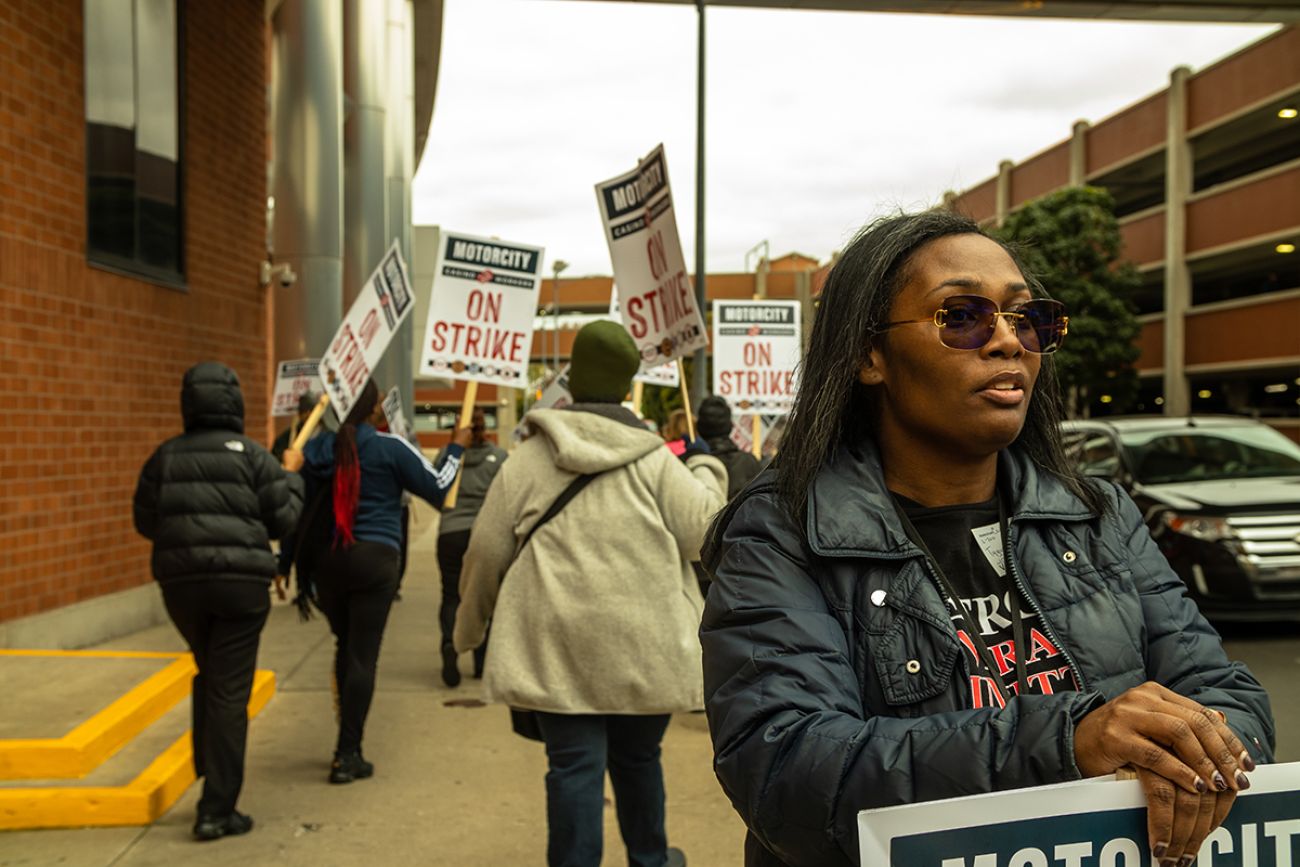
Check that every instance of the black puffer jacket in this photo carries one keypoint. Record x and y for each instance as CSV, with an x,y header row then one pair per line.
x,y
742,467
211,499
816,702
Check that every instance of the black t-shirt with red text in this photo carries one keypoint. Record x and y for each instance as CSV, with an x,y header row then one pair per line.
x,y
966,542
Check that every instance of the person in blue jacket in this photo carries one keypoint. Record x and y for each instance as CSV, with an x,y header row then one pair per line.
x,y
360,474
922,600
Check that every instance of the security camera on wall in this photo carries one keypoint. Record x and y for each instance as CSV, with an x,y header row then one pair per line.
x,y
282,274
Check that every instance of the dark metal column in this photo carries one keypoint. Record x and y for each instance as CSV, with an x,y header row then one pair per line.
x,y
699,378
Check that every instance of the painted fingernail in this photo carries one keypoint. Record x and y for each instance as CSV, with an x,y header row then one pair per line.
x,y
1201,786
1185,860
1246,761
1243,782
1160,850
1220,784
1169,862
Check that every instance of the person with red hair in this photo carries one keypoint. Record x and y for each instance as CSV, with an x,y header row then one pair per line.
x,y
356,478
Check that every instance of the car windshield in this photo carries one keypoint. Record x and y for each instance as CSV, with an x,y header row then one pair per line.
x,y
1195,455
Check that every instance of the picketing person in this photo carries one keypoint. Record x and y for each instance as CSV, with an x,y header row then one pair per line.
x,y
211,500
922,600
284,559
714,425
580,557
676,432
355,482
379,420
479,465
306,403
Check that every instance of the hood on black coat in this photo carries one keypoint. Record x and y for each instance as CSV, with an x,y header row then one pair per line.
x,y
720,445
211,399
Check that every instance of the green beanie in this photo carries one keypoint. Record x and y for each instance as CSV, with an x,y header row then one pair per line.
x,y
604,361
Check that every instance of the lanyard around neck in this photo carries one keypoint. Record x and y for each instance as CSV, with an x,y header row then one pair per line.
x,y
972,628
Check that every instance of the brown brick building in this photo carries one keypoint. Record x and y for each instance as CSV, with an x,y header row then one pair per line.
x,y
157,158
100,312
1206,177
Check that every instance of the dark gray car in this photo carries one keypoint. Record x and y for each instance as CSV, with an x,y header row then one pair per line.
x,y
1221,495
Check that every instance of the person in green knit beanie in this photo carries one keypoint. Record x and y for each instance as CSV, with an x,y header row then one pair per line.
x,y
604,360
595,614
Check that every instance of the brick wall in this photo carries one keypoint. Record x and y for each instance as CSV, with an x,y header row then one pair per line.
x,y
91,361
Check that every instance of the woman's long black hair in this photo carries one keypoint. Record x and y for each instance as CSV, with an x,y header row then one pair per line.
x,y
833,407
347,465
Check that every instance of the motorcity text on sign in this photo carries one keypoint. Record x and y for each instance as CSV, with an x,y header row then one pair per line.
x,y
480,324
655,293
756,352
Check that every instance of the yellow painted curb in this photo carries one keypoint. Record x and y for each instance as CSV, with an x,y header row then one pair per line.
x,y
139,802
88,745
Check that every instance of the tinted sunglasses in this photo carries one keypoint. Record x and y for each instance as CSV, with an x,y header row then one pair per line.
x,y
968,322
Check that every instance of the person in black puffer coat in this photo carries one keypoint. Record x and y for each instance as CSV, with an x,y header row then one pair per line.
x,y
211,500
922,600
714,425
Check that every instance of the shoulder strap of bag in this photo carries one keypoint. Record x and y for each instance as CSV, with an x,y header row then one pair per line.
x,y
560,502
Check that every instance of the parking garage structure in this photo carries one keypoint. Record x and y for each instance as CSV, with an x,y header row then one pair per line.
x,y
1206,180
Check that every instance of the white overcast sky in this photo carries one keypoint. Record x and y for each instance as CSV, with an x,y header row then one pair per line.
x,y
817,121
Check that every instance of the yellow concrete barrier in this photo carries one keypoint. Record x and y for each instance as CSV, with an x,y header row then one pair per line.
x,y
87,746
139,802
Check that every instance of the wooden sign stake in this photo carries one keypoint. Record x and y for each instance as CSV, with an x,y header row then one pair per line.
x,y
466,417
309,426
686,399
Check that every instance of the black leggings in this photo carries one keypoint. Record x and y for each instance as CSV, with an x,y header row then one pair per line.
x,y
451,557
222,622
356,586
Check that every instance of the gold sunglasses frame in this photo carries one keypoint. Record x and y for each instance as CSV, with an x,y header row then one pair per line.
x,y
1013,315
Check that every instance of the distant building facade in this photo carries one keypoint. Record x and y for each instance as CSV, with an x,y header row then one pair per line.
x,y
1206,179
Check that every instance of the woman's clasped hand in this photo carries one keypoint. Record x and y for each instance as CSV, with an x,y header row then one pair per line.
x,y
1189,762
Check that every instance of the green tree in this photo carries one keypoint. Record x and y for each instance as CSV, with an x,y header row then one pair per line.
x,y
1070,240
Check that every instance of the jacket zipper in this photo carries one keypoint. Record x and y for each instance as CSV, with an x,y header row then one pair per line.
x,y
943,594
1008,551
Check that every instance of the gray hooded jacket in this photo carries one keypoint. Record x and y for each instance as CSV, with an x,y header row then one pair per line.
x,y
478,468
600,612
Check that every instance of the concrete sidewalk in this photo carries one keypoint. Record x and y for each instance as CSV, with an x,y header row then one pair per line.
x,y
453,785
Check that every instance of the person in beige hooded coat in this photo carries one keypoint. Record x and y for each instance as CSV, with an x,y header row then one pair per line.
x,y
595,621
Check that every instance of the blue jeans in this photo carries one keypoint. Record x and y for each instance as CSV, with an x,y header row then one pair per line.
x,y
579,748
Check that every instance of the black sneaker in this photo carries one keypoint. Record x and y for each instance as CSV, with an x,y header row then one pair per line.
x,y
676,857
450,668
349,767
216,827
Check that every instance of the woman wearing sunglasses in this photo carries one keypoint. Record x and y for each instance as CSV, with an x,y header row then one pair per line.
x,y
921,600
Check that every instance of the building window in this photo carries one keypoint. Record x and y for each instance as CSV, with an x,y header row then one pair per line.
x,y
133,140
1136,186
1273,393
1266,137
1243,274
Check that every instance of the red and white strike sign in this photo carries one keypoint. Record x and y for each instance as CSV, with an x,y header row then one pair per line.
x,y
385,300
655,293
756,351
